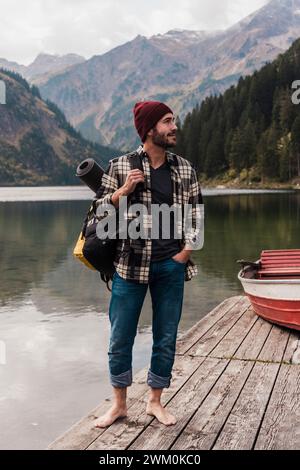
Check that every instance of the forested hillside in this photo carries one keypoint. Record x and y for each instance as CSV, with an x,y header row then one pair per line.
x,y
252,131
37,144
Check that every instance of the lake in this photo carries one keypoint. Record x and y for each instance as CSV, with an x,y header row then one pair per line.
x,y
53,310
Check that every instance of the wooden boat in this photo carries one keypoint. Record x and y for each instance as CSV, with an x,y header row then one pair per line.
x,y
273,286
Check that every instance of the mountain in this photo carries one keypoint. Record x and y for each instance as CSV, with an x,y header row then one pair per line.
x,y
179,39
251,132
181,67
37,144
43,66
46,65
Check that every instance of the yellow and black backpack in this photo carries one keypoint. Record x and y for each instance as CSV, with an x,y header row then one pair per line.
x,y
99,254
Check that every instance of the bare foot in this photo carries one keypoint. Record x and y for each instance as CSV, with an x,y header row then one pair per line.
x,y
163,415
110,416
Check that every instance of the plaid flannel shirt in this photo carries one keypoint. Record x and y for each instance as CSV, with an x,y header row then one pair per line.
x,y
133,257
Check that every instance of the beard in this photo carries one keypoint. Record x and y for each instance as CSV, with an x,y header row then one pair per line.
x,y
162,139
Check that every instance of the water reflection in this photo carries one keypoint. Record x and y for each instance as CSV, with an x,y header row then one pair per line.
x,y
38,239
53,310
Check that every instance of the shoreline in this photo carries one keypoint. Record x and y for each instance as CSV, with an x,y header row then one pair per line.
x,y
83,193
205,183
219,183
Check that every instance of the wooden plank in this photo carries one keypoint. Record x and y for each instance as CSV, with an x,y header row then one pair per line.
x,y
282,264
183,406
244,420
205,426
280,252
280,428
274,348
214,335
202,430
254,341
233,339
241,427
189,338
292,353
283,258
121,433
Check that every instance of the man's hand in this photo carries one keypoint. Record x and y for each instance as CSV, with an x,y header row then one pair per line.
x,y
133,178
183,256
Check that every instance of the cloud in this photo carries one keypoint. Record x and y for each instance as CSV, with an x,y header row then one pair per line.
x,y
90,27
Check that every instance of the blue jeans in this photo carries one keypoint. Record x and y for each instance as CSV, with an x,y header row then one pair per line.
x,y
166,283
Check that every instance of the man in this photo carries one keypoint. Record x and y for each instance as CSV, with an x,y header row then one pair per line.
x,y
162,263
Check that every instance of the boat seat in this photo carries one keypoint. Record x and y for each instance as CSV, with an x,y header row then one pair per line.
x,y
279,263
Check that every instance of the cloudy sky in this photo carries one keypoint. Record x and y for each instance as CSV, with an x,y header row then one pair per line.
x,y
89,27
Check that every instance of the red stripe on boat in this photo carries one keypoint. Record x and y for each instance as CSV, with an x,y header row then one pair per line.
x,y
282,312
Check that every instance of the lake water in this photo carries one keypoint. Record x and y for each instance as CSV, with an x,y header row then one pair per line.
x,y
54,327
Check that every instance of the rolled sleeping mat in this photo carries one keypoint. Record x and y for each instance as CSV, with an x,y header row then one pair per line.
x,y
90,173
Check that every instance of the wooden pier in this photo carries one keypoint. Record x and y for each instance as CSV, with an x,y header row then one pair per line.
x,y
236,385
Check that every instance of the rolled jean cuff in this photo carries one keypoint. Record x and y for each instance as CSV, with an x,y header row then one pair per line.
x,y
156,381
121,380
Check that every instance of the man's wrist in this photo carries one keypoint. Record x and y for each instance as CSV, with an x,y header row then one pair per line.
x,y
120,192
123,191
184,254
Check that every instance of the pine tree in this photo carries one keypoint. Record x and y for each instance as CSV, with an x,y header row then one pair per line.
x,y
295,141
214,162
180,150
235,150
284,154
268,154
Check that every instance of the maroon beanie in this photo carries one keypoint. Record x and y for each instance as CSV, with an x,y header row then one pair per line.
x,y
147,114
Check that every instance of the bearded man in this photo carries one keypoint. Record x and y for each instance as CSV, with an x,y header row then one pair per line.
x,y
161,263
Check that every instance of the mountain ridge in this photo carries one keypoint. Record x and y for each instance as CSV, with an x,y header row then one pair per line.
x,y
181,73
37,144
180,67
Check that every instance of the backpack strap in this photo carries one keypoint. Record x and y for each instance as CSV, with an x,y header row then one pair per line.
x,y
136,163
106,279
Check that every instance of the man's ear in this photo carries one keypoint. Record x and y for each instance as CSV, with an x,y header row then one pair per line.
x,y
150,133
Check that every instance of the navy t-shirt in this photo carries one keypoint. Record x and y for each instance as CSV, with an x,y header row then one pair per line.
x,y
161,188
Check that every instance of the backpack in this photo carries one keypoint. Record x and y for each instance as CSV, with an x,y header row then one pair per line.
x,y
99,254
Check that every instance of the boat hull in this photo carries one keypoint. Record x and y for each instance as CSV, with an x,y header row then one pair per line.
x,y
277,301
282,312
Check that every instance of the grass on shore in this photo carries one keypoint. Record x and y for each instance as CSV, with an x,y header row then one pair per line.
x,y
232,180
